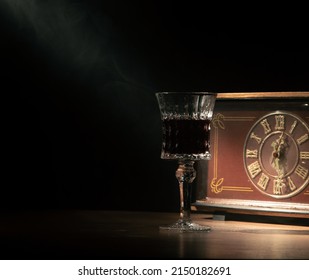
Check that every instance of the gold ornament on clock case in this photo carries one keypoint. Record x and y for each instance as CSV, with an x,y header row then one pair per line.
x,y
276,154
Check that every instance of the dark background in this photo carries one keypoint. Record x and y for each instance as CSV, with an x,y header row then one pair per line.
x,y
80,123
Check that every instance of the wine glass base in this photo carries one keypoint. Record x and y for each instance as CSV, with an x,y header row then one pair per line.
x,y
181,225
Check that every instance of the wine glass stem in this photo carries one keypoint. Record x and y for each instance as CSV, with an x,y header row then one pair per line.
x,y
185,175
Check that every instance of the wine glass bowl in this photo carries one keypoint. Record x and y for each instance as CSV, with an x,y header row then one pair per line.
x,y
186,118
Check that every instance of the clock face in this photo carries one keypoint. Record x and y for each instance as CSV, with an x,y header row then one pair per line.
x,y
276,154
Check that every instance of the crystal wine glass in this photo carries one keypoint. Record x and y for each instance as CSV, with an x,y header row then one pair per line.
x,y
186,118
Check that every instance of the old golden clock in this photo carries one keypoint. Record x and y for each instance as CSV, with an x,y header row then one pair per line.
x,y
276,152
260,155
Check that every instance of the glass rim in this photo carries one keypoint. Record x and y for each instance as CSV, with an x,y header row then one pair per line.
x,y
186,93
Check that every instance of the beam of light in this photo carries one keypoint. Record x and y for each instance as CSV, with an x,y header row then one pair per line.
x,y
76,36
65,29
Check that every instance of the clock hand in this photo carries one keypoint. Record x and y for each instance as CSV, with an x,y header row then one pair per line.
x,y
277,146
278,155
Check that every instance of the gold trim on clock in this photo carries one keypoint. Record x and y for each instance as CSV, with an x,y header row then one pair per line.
x,y
232,119
217,188
216,183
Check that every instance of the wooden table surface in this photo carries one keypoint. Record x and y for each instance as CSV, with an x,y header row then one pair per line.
x,y
79,234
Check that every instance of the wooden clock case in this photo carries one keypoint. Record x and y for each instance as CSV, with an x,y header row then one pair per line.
x,y
222,183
